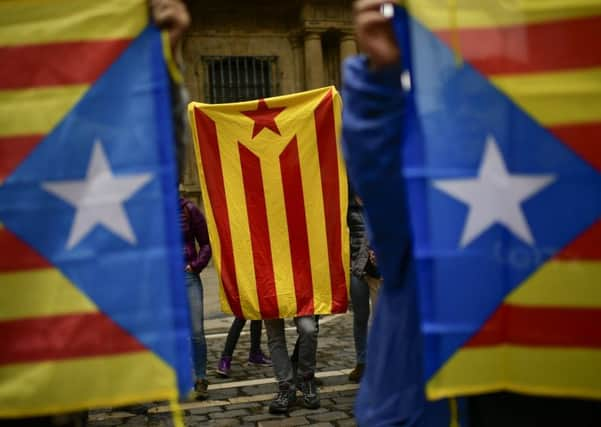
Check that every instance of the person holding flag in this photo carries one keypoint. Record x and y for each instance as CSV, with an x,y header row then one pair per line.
x,y
386,142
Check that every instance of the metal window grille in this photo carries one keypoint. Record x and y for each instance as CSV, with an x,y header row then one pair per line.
x,y
239,78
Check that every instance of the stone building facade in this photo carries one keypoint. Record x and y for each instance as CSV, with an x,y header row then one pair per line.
x,y
239,50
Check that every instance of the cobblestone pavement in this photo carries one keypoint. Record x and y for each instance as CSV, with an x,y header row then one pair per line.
x,y
243,399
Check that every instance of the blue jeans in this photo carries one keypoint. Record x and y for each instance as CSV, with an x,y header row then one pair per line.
x,y
199,344
360,301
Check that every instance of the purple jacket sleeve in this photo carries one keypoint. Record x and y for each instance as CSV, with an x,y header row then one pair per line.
x,y
198,227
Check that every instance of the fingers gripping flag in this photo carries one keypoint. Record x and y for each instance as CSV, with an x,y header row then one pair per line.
x,y
275,191
92,308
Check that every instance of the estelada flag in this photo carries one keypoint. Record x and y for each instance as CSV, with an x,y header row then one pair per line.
x,y
92,301
503,166
275,192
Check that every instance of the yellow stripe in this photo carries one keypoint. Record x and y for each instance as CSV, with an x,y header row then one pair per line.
x,y
314,205
544,371
43,21
228,134
344,196
211,224
556,98
436,14
561,283
40,293
36,111
69,385
174,70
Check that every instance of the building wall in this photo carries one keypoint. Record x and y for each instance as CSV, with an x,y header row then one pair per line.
x,y
308,37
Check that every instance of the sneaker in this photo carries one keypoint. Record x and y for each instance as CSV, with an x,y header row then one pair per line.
x,y
310,393
259,359
224,366
201,391
356,374
284,400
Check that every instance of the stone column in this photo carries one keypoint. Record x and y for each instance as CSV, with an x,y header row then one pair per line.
x,y
348,47
314,72
296,42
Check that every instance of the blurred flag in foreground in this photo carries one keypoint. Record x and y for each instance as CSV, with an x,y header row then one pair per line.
x,y
503,160
92,306
275,191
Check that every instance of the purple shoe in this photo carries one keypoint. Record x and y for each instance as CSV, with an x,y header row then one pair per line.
x,y
259,359
224,366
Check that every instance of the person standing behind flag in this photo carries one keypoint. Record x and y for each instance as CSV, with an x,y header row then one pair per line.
x,y
256,355
365,281
282,366
194,229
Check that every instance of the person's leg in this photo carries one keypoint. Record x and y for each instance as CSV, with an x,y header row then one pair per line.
x,y
282,369
225,362
256,326
306,327
360,298
232,337
199,345
256,355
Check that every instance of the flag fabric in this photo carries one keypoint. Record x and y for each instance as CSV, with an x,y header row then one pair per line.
x,y
502,161
275,193
92,301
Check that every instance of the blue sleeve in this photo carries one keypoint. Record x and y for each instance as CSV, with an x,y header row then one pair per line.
x,y
372,125
391,391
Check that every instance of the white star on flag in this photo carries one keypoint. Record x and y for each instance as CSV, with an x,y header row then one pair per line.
x,y
495,196
99,198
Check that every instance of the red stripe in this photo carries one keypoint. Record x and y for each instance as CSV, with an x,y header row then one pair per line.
x,y
211,166
541,327
259,236
584,139
15,255
14,149
330,188
586,247
550,46
297,228
55,64
63,337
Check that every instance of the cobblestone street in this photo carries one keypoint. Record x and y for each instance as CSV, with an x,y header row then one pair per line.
x,y
243,399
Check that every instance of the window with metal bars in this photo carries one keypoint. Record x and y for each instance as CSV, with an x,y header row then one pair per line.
x,y
239,78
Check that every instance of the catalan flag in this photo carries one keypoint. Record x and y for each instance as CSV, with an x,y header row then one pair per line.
x,y
92,303
275,192
508,117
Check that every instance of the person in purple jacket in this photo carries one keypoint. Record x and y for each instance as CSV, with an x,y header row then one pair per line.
x,y
194,229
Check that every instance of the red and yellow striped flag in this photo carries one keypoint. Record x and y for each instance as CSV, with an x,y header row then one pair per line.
x,y
275,191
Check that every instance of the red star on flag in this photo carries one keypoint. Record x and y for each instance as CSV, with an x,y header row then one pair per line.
x,y
264,117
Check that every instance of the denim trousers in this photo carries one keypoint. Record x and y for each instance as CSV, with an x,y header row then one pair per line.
x,y
361,293
256,326
199,344
307,334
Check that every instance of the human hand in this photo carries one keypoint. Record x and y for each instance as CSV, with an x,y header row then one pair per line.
x,y
188,269
171,15
374,33
372,257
